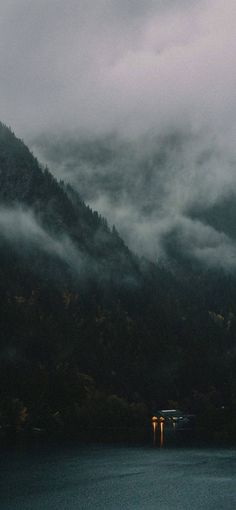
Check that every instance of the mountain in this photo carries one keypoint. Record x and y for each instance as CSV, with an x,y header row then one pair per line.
x,y
58,210
90,331
171,196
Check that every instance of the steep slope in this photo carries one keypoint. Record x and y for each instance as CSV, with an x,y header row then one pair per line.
x,y
162,191
59,213
74,300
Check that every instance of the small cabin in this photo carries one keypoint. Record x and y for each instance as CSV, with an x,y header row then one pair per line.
x,y
174,418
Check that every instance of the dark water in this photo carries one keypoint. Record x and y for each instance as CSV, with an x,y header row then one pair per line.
x,y
129,478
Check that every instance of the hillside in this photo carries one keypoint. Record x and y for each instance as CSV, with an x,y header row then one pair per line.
x,y
88,328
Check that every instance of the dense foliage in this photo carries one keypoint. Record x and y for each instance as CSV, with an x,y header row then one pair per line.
x,y
91,334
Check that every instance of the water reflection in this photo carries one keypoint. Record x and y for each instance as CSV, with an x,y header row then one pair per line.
x,y
161,433
158,432
173,424
154,428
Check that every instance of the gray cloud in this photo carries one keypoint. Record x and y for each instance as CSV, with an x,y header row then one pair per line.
x,y
154,81
20,226
204,243
99,66
148,187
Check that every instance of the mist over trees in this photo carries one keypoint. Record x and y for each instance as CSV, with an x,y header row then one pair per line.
x,y
89,330
160,191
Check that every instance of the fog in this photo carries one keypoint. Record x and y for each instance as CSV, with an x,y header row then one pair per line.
x,y
102,66
20,227
148,88
155,190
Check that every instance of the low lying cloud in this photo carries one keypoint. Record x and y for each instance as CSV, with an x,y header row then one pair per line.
x,y
128,67
204,243
149,187
132,102
20,226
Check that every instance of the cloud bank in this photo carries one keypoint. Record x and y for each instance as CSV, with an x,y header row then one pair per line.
x,y
21,227
153,82
155,188
102,66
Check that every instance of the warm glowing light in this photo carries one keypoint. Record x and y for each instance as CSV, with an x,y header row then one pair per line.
x,y
162,434
154,427
155,421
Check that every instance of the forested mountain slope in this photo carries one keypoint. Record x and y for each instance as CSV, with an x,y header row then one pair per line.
x,y
83,318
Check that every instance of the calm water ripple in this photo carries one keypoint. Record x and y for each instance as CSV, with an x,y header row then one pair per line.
x,y
114,477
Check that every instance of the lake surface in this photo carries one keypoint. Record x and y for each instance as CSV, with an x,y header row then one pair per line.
x,y
115,477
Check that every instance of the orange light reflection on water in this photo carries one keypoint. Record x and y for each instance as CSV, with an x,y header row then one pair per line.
x,y
154,427
161,434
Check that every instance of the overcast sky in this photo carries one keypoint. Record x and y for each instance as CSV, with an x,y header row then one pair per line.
x,y
142,69
126,65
